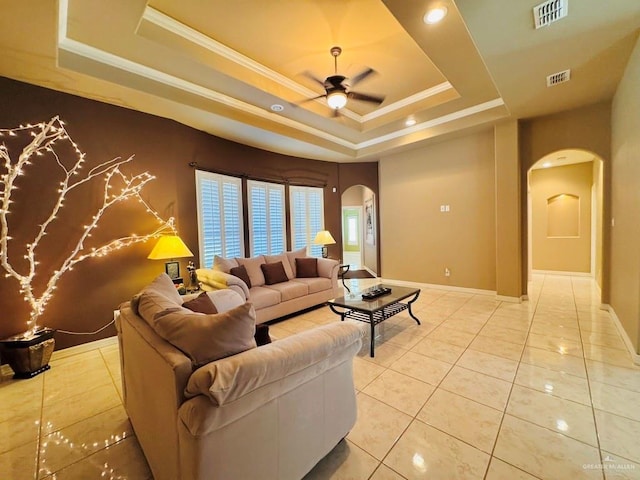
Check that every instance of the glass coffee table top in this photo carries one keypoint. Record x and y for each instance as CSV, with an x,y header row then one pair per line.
x,y
354,300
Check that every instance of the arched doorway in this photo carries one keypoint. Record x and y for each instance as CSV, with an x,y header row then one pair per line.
x,y
359,220
565,214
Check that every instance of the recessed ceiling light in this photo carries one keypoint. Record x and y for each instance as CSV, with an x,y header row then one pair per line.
x,y
434,15
410,122
276,107
546,164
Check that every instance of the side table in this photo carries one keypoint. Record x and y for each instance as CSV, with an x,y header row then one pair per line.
x,y
341,272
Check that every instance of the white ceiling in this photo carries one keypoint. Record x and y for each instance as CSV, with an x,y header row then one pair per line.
x,y
219,66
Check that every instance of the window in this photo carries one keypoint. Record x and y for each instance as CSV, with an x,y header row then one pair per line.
x,y
219,203
307,218
266,218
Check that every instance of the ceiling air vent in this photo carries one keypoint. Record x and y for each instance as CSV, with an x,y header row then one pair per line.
x,y
560,77
550,11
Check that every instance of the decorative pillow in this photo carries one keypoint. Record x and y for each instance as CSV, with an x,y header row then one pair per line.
x,y
241,273
224,264
156,297
253,269
274,273
201,304
205,338
300,253
306,267
285,263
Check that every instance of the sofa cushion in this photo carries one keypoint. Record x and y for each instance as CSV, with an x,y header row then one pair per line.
x,y
224,264
285,263
312,352
201,304
274,273
263,297
300,253
253,269
241,273
315,285
306,267
159,295
289,290
205,338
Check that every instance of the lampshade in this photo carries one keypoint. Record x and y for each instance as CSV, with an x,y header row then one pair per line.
x,y
337,99
169,246
323,237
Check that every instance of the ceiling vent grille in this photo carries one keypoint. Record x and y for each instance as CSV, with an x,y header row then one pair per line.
x,y
550,11
560,77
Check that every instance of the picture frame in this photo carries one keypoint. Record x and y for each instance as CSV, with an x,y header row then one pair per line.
x,y
369,222
172,269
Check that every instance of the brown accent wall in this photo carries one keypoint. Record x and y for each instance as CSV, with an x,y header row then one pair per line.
x,y
87,296
625,206
418,240
586,128
561,251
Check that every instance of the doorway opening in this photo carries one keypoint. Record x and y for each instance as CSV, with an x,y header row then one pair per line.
x,y
564,214
358,229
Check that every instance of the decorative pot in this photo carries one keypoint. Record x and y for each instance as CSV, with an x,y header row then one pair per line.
x,y
28,356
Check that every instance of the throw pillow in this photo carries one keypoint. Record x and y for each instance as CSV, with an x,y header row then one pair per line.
x,y
253,269
306,267
274,273
224,264
205,338
285,263
241,273
262,334
201,304
300,253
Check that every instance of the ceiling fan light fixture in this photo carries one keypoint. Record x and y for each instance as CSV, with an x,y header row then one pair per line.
x,y
337,99
434,15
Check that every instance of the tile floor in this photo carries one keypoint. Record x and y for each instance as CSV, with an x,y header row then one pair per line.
x,y
482,389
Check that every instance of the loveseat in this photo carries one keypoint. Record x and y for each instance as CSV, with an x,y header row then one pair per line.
x,y
206,403
301,281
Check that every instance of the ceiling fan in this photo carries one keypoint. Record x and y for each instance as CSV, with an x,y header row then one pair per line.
x,y
338,87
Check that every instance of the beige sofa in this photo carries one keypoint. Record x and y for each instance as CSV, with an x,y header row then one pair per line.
x,y
270,412
279,299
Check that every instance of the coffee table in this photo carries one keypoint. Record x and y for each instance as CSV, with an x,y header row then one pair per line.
x,y
377,310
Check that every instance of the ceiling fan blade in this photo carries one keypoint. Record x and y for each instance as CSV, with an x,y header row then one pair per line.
x,y
310,99
361,76
311,76
366,98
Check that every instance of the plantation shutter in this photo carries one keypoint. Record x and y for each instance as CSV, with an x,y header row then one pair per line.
x,y
219,205
266,218
307,218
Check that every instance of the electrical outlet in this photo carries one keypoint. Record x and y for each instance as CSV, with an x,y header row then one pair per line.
x,y
446,208
447,272
442,208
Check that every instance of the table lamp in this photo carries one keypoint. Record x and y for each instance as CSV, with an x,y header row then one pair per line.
x,y
323,237
170,247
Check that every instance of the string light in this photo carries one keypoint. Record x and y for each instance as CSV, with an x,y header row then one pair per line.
x,y
45,135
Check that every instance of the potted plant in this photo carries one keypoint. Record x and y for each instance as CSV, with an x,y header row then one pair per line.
x,y
28,352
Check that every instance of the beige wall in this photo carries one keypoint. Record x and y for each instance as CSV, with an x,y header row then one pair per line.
x,y
625,200
587,128
561,251
418,241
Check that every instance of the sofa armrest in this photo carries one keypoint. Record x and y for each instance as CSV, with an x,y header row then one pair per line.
x,y
215,280
328,268
231,378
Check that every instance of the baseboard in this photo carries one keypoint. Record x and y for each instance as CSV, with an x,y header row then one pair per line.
x,y
508,299
435,286
635,357
562,274
371,272
85,347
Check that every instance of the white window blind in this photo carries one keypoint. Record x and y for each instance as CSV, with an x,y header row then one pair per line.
x,y
219,204
266,218
307,218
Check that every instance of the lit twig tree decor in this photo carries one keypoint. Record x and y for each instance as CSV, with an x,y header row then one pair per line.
x,y
118,187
